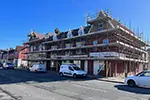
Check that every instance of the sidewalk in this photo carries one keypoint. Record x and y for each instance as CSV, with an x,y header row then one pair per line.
x,y
108,79
112,79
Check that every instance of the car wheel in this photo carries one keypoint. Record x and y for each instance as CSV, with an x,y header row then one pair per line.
x,y
61,74
74,75
131,83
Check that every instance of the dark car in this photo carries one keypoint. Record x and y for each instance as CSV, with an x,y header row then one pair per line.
x,y
8,65
1,65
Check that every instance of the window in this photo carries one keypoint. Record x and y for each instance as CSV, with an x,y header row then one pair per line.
x,y
100,26
105,48
78,44
81,31
147,74
94,49
55,37
95,42
69,34
144,74
40,47
105,41
68,45
70,68
43,47
79,51
53,47
34,48
76,68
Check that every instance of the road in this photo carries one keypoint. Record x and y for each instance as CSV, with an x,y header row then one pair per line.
x,y
24,85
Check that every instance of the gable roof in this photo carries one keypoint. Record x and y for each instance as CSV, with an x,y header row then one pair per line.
x,y
74,32
115,23
38,35
19,48
50,34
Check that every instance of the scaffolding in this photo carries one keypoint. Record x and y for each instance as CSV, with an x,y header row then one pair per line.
x,y
127,45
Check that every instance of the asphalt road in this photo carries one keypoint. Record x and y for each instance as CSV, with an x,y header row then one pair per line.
x,y
24,85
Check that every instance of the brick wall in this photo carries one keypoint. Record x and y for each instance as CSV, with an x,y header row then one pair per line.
x,y
23,56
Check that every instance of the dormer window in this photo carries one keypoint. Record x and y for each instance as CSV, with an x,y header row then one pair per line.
x,y
55,37
69,34
81,31
46,36
100,26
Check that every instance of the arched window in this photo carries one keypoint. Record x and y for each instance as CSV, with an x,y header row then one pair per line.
x,y
81,31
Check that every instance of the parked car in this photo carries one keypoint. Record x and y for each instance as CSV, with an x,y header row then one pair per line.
x,y
71,70
38,68
8,65
142,79
1,65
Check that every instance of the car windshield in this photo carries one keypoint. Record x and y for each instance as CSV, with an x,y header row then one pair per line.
x,y
9,64
76,67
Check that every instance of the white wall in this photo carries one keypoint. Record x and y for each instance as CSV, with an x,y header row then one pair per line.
x,y
86,66
52,64
96,67
25,63
45,63
77,62
19,62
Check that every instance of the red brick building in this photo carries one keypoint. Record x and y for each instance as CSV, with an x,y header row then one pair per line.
x,y
104,47
22,57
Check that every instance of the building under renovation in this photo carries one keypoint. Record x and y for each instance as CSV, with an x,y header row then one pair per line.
x,y
104,47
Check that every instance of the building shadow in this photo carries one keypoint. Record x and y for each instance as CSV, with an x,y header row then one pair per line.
x,y
137,90
11,76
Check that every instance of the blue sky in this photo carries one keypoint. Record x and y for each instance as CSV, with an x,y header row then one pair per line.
x,y
18,17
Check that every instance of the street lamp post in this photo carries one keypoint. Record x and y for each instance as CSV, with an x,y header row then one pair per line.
x,y
2,55
7,55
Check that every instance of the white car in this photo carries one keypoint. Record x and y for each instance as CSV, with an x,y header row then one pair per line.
x,y
71,70
8,65
142,79
38,68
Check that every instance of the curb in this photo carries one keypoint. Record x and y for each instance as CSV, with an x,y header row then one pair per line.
x,y
110,81
100,79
